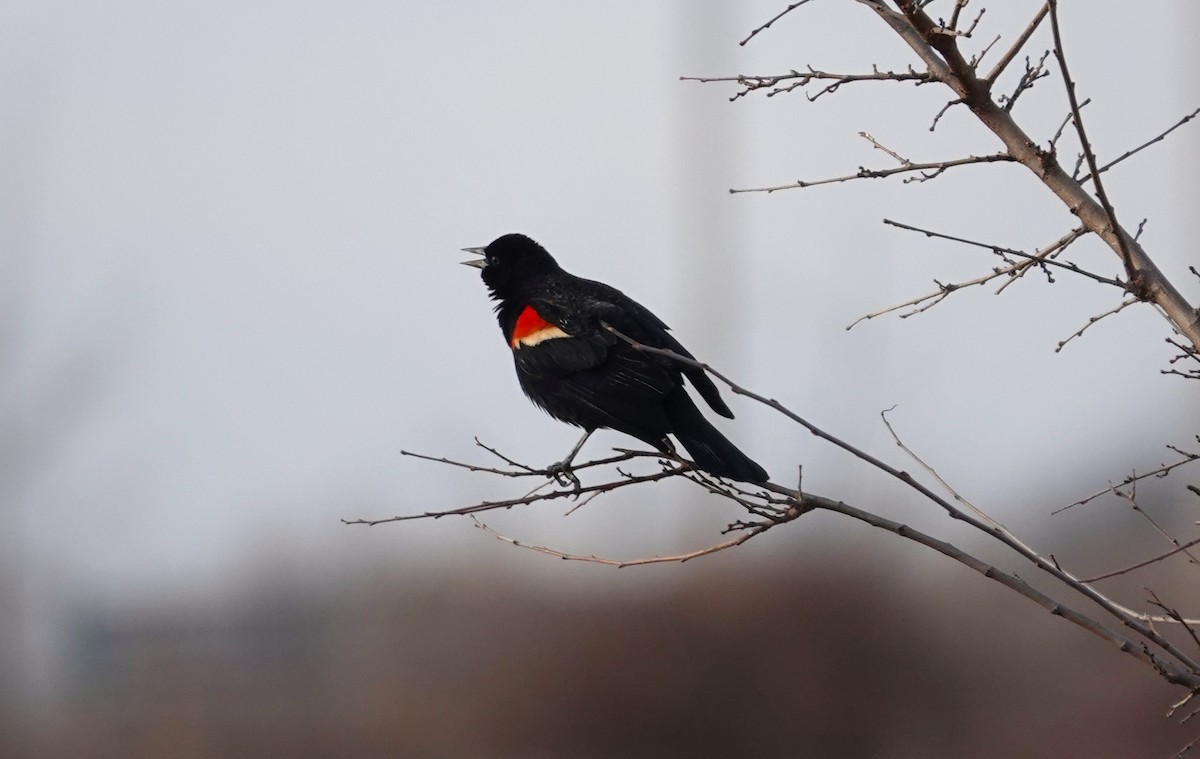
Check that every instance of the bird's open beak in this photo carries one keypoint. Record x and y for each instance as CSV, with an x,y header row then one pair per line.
x,y
478,263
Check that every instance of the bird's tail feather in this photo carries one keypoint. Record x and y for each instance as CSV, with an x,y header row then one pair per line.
x,y
711,450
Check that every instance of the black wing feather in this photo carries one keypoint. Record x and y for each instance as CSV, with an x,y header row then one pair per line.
x,y
593,379
608,304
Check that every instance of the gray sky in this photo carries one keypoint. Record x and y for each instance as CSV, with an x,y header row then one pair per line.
x,y
231,293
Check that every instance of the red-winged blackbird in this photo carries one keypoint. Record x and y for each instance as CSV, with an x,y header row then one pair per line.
x,y
583,374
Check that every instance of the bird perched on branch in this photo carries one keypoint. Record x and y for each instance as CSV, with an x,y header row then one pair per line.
x,y
571,361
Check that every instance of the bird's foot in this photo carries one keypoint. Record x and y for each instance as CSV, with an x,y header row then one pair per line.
x,y
564,475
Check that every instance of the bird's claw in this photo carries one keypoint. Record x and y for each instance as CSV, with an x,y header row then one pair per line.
x,y
563,474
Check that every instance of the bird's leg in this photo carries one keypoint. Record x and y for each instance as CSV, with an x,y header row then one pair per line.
x,y
561,470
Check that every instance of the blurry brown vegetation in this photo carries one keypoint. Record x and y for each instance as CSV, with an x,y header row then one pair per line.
x,y
876,660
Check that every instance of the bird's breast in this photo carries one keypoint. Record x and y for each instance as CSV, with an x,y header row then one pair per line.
x,y
531,329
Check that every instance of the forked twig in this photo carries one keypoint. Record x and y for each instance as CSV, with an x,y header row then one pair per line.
x,y
1000,249
1012,271
1013,51
1162,471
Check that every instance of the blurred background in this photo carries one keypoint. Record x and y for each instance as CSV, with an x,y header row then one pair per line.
x,y
229,297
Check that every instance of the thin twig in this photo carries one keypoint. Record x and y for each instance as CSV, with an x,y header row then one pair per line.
x,y
978,58
519,470
1013,51
1180,703
501,456
1054,250
767,25
1174,614
928,171
934,473
958,6
1012,271
526,499
1132,273
1141,564
1093,319
1162,471
1183,751
1027,80
1008,251
942,112
1186,353
622,563
1131,497
1066,120
952,29
1158,138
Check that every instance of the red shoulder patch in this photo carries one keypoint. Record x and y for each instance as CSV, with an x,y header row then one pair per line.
x,y
532,329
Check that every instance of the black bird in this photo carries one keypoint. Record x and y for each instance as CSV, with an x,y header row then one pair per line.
x,y
581,373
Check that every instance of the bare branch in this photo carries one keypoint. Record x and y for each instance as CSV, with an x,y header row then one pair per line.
x,y
1165,668
1092,320
1162,471
1132,271
797,503
923,303
1008,57
1032,74
1052,251
768,505
1001,250
934,473
1131,497
777,84
1012,271
1186,354
946,63
1121,613
990,520
916,38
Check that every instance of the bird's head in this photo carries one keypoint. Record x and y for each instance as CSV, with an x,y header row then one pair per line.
x,y
510,263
